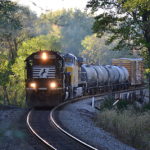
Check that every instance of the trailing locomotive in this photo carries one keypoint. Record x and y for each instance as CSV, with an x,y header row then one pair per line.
x,y
53,77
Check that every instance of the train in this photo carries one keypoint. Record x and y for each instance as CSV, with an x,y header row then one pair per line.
x,y
53,77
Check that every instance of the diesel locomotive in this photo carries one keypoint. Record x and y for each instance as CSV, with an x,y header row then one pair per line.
x,y
53,77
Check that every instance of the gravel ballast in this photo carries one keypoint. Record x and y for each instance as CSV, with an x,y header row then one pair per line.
x,y
14,134
78,119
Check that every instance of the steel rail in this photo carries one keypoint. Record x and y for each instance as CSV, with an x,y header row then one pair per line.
x,y
52,116
57,126
64,131
49,134
36,134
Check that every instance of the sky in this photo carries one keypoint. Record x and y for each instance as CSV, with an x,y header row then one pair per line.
x,y
41,6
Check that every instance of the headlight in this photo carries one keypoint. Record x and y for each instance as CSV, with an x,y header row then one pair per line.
x,y
44,56
53,85
33,85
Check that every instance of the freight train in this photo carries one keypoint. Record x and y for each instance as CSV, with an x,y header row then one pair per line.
x,y
53,77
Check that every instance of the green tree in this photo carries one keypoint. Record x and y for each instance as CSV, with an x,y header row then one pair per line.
x,y
16,24
126,20
5,71
97,52
73,26
77,25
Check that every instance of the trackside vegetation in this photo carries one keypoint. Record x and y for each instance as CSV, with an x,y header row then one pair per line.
x,y
126,122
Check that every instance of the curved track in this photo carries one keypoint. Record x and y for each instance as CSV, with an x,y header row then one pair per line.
x,y
44,129
43,124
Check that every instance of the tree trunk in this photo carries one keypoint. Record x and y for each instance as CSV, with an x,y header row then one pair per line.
x,y
6,99
15,97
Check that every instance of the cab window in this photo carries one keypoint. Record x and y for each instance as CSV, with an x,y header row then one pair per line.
x,y
68,60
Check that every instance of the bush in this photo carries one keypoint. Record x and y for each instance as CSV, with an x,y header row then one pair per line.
x,y
108,104
132,127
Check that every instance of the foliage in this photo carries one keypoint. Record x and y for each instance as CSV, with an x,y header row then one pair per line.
x,y
107,103
4,70
72,25
43,42
120,106
129,126
16,24
96,51
126,20
78,25
9,21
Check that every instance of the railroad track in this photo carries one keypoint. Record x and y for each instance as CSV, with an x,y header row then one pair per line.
x,y
44,125
44,129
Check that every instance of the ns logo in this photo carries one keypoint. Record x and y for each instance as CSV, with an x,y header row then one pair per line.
x,y
43,72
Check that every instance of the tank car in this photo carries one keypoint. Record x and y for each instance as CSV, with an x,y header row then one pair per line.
x,y
90,76
45,79
104,78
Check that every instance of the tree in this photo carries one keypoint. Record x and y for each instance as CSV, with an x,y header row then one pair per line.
x,y
5,71
77,26
16,24
97,52
73,25
126,20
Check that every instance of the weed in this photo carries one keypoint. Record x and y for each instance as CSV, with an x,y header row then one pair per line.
x,y
132,127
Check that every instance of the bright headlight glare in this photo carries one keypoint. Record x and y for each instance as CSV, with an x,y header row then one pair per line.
x,y
33,85
44,56
53,85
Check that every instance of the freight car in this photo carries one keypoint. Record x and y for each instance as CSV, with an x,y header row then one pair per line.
x,y
135,68
53,77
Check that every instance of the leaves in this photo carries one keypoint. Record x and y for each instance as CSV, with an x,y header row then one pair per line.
x,y
5,70
127,20
97,52
71,25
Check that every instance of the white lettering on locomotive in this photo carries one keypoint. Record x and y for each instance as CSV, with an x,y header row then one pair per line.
x,y
44,72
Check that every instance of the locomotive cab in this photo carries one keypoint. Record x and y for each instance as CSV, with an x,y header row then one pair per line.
x,y
72,71
45,78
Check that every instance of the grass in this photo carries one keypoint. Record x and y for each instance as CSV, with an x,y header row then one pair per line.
x,y
125,122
